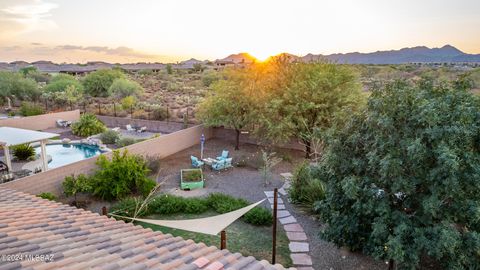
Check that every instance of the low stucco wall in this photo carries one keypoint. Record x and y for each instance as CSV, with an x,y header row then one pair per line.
x,y
40,122
229,135
154,126
163,146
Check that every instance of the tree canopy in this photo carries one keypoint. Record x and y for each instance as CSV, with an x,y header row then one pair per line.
x,y
304,98
402,177
14,84
232,102
97,83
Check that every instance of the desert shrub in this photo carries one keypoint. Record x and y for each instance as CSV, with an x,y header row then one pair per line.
x,y
159,114
30,109
145,72
259,216
97,83
140,114
126,141
47,195
73,185
209,77
23,151
122,87
109,136
14,84
88,125
128,206
120,176
60,82
306,188
153,162
193,175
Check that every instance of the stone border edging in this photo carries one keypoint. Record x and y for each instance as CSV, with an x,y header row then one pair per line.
x,y
298,246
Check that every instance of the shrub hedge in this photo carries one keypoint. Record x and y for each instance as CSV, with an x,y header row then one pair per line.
x,y
218,202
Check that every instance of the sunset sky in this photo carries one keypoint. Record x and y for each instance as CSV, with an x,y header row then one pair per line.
x,y
168,30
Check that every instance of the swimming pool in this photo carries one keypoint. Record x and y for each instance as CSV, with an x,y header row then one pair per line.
x,y
63,154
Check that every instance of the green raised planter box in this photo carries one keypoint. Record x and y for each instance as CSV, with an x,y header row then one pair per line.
x,y
191,179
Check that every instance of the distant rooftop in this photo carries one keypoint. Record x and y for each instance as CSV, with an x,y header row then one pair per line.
x,y
79,239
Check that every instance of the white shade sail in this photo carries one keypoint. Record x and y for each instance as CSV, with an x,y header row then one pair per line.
x,y
209,225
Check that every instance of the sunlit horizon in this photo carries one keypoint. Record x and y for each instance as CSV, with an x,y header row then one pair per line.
x,y
172,31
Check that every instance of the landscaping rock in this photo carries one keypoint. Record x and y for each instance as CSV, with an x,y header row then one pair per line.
x,y
279,200
287,220
301,259
298,247
293,227
279,206
287,175
283,213
296,236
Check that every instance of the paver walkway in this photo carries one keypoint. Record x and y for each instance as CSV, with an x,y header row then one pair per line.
x,y
299,247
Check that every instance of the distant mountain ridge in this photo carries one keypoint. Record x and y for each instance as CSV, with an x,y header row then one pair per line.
x,y
419,54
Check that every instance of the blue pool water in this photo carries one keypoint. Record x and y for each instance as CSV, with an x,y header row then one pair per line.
x,y
63,154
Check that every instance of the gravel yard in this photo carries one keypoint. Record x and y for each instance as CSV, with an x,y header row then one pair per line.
x,y
247,183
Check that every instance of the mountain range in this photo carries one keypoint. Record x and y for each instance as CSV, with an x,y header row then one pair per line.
x,y
419,54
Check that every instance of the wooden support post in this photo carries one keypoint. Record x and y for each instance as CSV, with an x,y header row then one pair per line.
x,y
104,210
114,109
99,109
223,240
274,230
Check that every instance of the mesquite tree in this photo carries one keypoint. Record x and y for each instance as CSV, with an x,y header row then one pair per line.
x,y
403,178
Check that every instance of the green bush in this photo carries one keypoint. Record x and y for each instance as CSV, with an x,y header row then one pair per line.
x,y
14,84
168,204
122,87
195,205
61,82
126,141
109,136
88,125
23,151
128,206
159,114
259,216
31,109
120,176
47,195
306,189
97,83
223,203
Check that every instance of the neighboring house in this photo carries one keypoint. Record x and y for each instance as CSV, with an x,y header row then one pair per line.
x,y
71,238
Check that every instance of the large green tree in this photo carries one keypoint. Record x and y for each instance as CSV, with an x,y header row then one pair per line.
x,y
14,84
403,177
232,102
304,98
97,83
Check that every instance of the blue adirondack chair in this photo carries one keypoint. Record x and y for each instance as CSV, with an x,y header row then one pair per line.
x,y
222,164
196,163
223,156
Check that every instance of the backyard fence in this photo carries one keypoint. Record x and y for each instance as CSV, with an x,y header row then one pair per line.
x,y
40,122
163,146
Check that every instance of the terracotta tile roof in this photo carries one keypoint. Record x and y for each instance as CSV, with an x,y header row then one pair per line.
x,y
79,239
